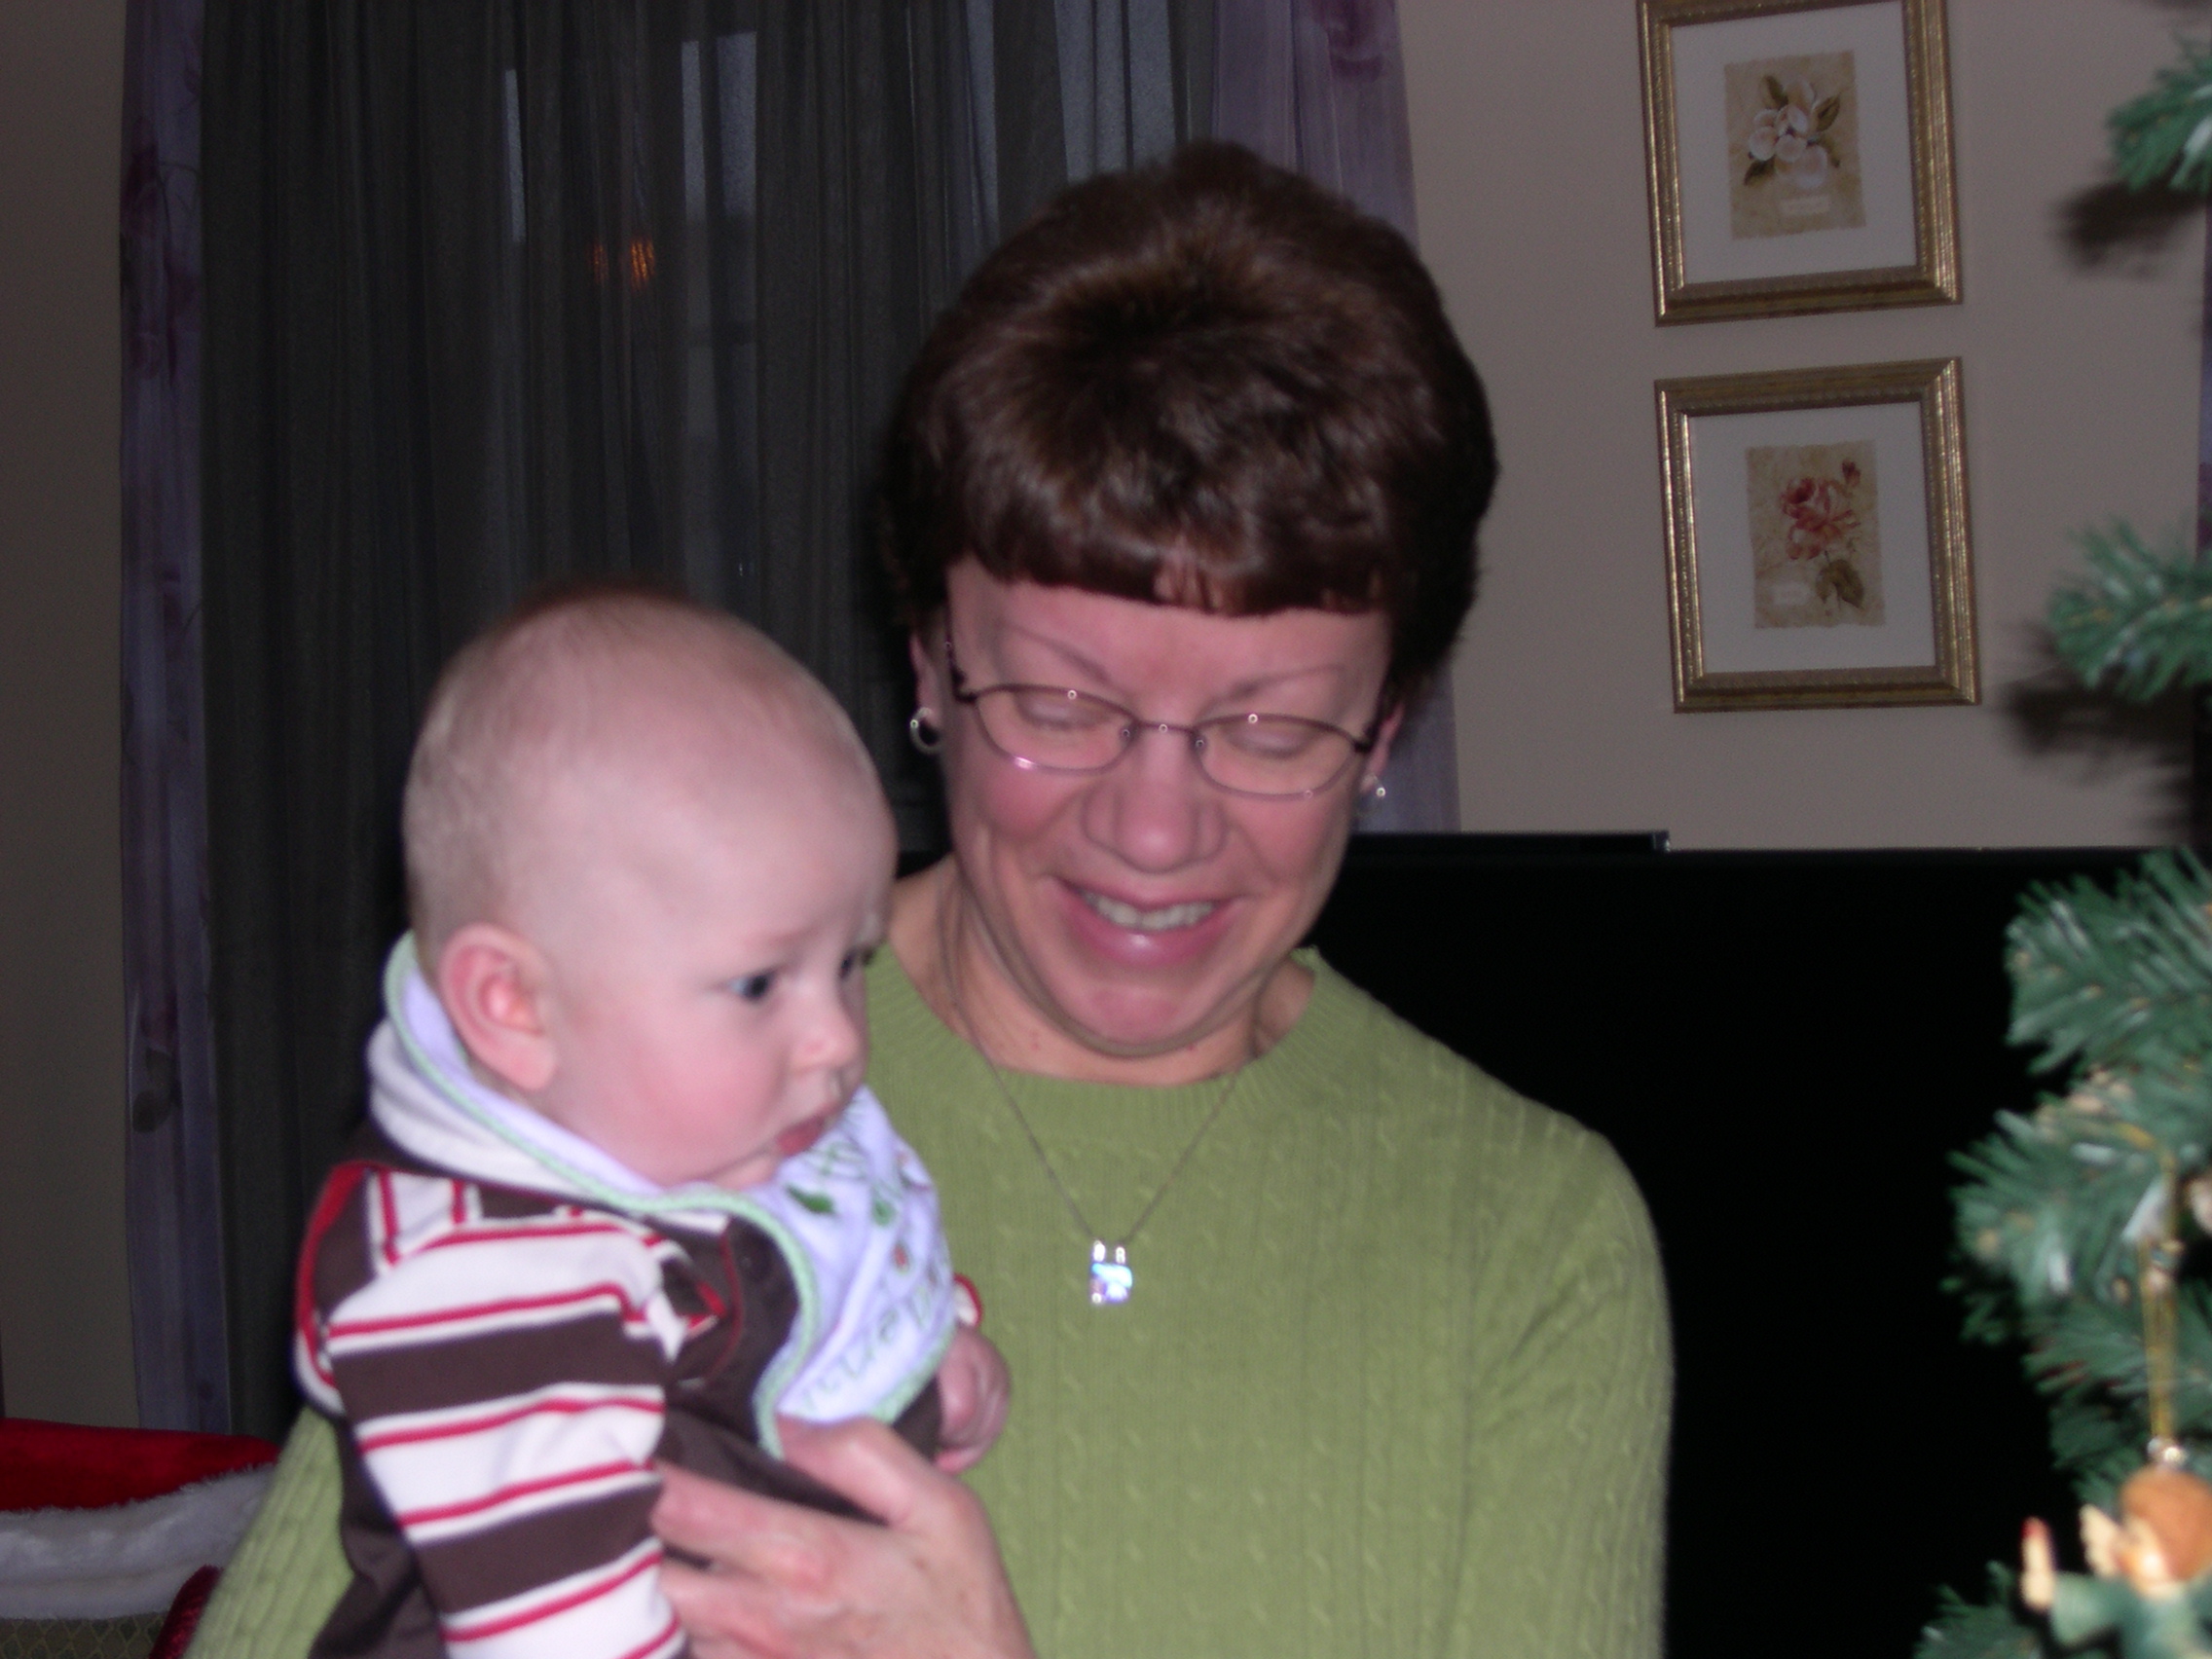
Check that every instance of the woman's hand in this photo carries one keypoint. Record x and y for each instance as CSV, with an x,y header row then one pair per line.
x,y
973,1386
792,1583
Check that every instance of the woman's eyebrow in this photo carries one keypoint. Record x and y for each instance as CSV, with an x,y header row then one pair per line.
x,y
1067,653
1082,665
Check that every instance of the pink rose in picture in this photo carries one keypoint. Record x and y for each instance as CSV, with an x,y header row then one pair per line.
x,y
1819,514
1815,534
1822,519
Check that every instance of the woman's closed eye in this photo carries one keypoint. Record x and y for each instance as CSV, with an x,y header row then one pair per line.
x,y
856,961
1269,737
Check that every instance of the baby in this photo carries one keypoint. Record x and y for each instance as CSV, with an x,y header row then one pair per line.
x,y
621,1195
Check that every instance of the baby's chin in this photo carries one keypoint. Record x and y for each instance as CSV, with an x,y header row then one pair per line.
x,y
762,1167
801,1136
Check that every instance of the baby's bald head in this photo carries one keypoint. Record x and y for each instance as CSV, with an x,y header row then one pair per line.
x,y
563,725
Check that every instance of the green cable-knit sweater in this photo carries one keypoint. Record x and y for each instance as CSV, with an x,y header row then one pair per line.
x,y
1393,1380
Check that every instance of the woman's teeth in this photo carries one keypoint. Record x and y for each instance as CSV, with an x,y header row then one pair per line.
x,y
1148,921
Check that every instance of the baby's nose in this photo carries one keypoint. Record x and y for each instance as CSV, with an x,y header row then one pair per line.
x,y
837,1037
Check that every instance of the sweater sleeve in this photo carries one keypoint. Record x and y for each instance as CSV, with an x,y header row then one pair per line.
x,y
1566,1468
501,1377
288,1572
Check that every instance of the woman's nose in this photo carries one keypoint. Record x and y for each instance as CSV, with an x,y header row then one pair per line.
x,y
1154,810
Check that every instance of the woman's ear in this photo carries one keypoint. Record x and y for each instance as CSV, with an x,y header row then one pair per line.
x,y
922,647
493,984
1371,763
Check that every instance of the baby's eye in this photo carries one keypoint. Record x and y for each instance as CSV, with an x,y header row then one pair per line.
x,y
755,987
855,961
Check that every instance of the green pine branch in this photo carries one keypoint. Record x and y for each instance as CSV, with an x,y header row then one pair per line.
x,y
2141,620
2115,988
2055,1205
2088,1360
2096,1444
2166,134
2119,983
1984,1630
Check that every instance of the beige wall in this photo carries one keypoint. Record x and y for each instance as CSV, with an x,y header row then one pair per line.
x,y
2080,403
64,1312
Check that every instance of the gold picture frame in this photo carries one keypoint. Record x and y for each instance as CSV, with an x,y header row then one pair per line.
x,y
1817,551
1798,155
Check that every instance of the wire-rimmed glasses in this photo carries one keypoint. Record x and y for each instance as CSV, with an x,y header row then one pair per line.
x,y
1056,728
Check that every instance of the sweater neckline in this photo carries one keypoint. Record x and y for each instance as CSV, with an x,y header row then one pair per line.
x,y
1067,1109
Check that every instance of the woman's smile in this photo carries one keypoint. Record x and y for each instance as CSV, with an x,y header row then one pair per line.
x,y
1156,938
1159,920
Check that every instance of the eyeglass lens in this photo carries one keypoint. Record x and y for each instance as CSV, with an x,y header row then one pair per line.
x,y
1072,731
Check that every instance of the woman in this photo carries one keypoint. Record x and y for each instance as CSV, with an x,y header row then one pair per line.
x,y
1323,1342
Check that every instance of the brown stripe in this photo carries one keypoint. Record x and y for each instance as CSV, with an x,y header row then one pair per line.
x,y
535,1549
425,1377
342,1262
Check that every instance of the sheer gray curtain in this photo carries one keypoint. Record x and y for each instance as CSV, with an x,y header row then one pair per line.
x,y
500,291
173,1216
497,291
1320,85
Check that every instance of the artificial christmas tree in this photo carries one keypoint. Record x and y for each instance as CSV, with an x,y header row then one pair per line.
x,y
2083,1226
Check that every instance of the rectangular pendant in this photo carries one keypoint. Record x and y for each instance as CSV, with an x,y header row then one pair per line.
x,y
1112,1278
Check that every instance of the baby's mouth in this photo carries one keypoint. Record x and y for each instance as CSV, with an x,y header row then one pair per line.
x,y
799,1136
1169,916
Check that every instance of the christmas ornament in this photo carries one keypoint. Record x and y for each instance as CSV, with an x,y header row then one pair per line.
x,y
2151,1588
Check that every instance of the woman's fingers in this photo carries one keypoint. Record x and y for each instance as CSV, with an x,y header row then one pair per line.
x,y
862,1459
974,1388
731,1529
720,1625
788,1583
761,1562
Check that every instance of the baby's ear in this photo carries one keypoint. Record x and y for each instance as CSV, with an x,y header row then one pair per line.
x,y
492,982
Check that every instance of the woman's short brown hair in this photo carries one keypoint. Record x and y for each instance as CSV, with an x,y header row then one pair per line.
x,y
1205,383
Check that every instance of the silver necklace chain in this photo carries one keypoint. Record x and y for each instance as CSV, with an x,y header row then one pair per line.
x,y
1112,1277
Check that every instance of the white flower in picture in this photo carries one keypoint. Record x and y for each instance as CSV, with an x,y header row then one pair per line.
x,y
1792,136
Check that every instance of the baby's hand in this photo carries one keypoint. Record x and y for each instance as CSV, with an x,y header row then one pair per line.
x,y
972,1387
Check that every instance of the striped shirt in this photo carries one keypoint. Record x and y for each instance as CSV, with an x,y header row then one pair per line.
x,y
509,1328
504,1366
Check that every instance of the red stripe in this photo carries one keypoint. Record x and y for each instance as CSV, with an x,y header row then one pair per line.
x,y
320,1366
500,1627
477,1426
487,1309
459,1204
524,1488
526,1229
337,1192
390,1209
666,1631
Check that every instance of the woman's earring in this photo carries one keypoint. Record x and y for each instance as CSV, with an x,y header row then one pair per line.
x,y
1371,788
923,731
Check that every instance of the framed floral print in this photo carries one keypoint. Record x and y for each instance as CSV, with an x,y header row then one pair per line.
x,y
1817,546
1798,155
